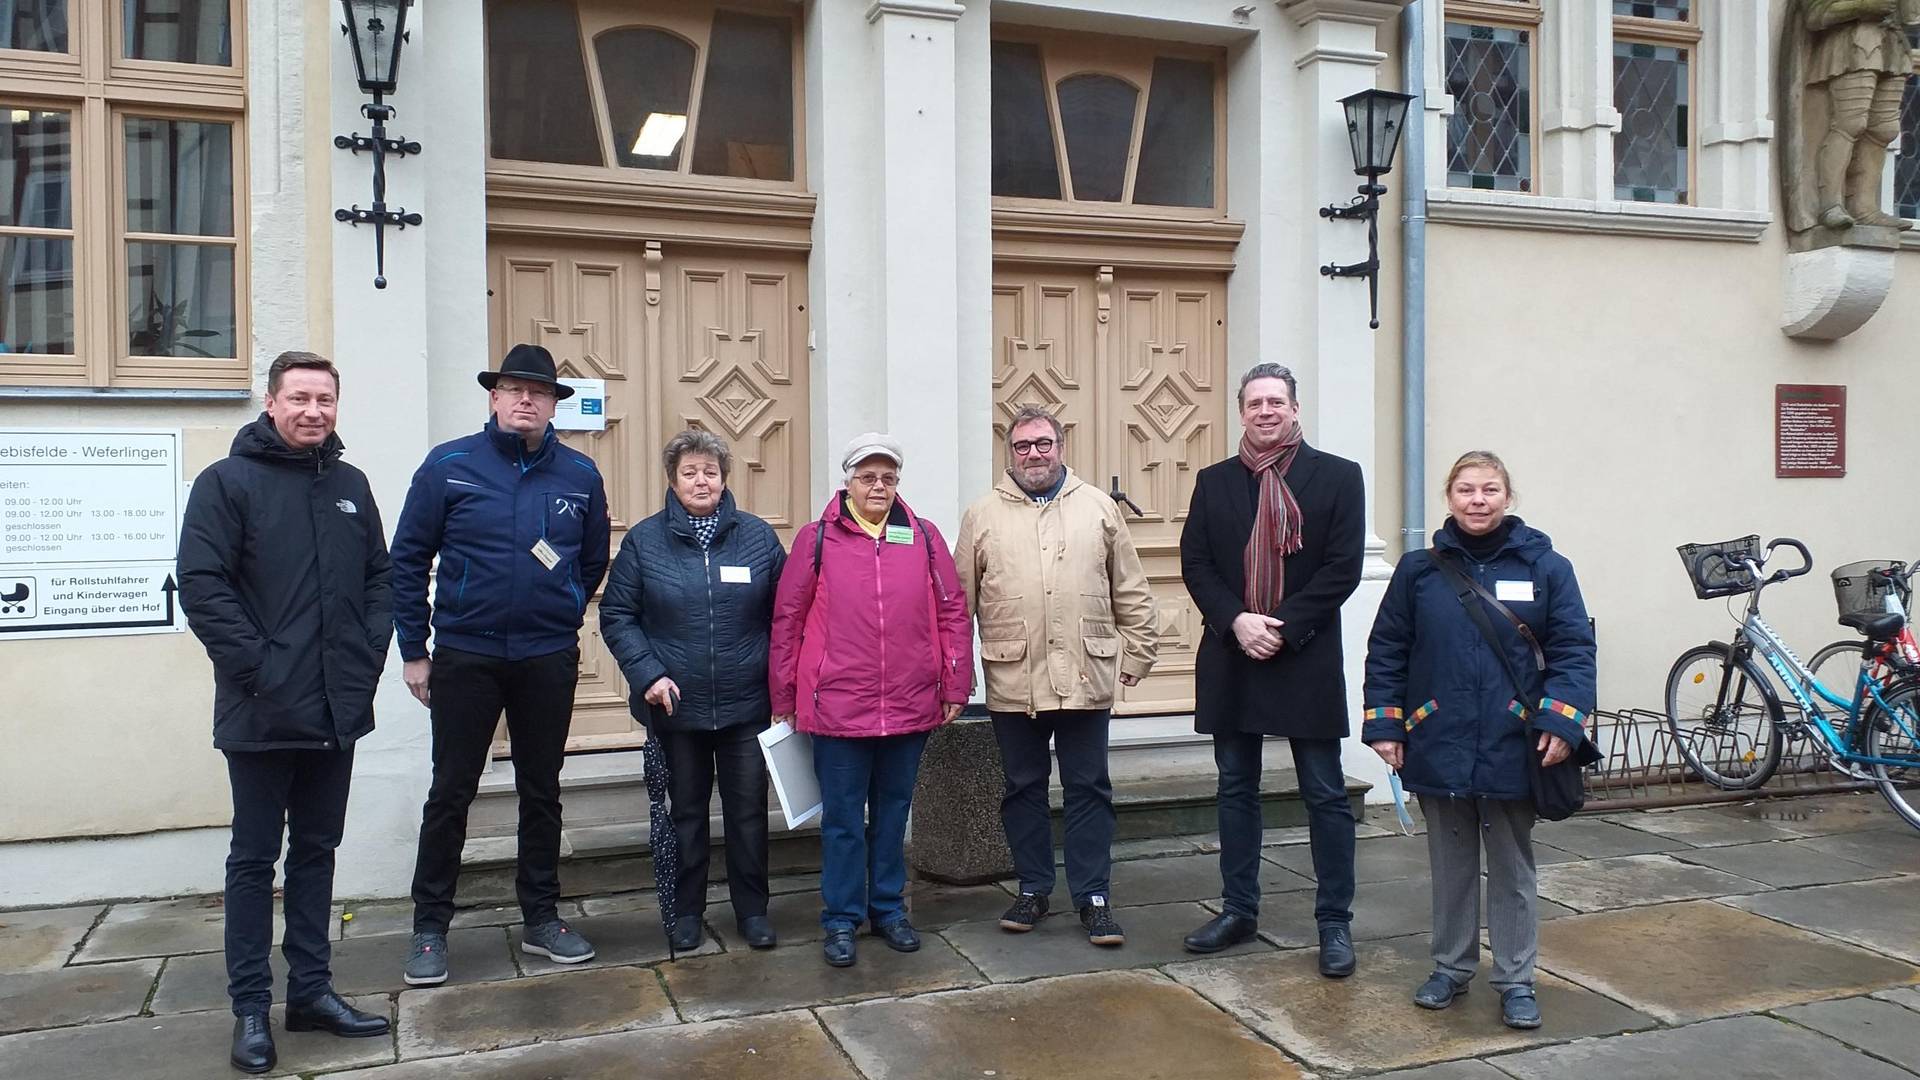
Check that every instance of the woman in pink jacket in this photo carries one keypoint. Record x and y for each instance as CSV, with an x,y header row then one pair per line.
x,y
871,650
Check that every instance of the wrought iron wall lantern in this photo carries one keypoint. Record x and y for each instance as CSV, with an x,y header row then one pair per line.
x,y
1375,121
377,30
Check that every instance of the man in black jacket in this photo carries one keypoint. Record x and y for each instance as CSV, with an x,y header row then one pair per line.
x,y
283,574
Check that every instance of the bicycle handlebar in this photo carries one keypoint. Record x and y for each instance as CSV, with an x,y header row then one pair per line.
x,y
1756,568
1806,558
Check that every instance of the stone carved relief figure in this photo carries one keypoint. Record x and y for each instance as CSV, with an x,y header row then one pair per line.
x,y
1844,69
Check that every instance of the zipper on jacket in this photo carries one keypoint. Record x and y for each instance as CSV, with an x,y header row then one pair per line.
x,y
880,606
713,664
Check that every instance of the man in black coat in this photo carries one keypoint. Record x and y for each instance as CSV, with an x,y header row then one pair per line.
x,y
283,574
1272,547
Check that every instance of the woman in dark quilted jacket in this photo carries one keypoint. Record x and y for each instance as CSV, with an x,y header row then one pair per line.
x,y
1443,710
687,613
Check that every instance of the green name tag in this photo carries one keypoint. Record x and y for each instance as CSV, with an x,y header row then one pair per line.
x,y
899,534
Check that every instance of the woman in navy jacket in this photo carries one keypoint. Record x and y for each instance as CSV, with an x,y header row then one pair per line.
x,y
1443,711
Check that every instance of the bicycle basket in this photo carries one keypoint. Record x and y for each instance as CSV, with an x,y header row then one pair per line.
x,y
1725,576
1859,590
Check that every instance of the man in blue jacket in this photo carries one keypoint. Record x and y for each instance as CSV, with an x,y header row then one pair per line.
x,y
519,523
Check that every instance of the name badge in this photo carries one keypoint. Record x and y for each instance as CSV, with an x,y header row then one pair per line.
x,y
736,575
548,557
899,534
1513,592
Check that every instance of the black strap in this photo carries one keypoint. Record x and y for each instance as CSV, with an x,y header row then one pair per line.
x,y
1471,594
1520,627
820,538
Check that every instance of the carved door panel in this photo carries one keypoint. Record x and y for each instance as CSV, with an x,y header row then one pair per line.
x,y
706,340
1134,364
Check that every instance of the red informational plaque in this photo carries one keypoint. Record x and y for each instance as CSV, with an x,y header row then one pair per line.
x,y
1809,430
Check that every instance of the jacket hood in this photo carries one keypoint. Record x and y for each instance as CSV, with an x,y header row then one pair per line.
x,y
262,440
1523,541
1010,488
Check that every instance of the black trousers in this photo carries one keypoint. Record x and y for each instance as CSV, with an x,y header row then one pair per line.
x,y
468,692
694,760
1080,740
304,794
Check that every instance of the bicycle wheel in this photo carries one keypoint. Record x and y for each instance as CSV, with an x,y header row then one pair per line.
x,y
1893,735
1837,667
1732,741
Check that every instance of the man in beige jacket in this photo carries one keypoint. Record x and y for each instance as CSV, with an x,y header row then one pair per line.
x,y
1064,613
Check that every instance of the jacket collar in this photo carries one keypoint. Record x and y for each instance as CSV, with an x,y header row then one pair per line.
x,y
262,441
1523,541
1009,488
680,523
514,448
838,513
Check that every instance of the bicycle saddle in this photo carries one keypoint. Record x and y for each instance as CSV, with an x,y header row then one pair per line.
x,y
1878,626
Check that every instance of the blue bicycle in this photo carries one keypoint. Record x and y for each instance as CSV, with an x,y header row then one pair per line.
x,y
1727,718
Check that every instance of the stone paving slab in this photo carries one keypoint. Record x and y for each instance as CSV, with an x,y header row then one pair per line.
x,y
41,940
77,995
1469,1069
1881,1028
372,918
1701,959
1181,878
1892,850
1058,946
1748,1047
1381,910
1702,828
1632,880
488,1016
933,906
795,916
784,1046
637,937
1598,838
360,966
1906,995
1880,915
1369,1021
1392,858
1823,815
1122,1024
741,983
162,928
1789,864
180,1048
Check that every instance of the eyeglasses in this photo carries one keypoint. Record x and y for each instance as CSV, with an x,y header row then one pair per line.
x,y
869,480
536,392
1033,446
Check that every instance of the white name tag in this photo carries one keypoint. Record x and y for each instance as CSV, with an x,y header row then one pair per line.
x,y
548,557
736,575
1513,592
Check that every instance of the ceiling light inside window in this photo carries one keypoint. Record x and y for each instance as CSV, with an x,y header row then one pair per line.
x,y
660,135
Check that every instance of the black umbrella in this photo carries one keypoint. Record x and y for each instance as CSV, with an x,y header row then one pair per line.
x,y
661,837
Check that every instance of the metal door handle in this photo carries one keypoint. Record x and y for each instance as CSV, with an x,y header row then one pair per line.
x,y
1120,497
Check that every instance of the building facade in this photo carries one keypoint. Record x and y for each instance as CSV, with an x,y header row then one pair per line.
x,y
792,222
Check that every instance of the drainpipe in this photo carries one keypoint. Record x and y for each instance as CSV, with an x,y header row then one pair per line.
x,y
1413,276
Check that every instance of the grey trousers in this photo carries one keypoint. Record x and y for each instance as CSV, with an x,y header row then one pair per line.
x,y
1457,830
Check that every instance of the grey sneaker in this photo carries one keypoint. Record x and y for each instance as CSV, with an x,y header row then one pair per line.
x,y
557,942
427,962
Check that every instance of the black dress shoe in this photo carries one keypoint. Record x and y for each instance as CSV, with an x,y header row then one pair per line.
x,y
1221,932
1336,952
686,933
758,931
1519,1008
1438,991
330,1013
839,948
253,1043
898,936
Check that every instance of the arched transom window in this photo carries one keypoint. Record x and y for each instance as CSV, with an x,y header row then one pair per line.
x,y
1106,121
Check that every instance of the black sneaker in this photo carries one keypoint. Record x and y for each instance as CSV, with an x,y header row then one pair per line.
x,y
1097,918
1027,911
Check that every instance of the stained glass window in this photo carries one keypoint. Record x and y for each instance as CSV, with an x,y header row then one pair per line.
x,y
1673,10
1489,136
1906,171
1650,88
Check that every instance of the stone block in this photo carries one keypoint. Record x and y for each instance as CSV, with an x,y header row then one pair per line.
x,y
1184,877
957,836
163,928
42,940
1702,828
1598,838
369,965
637,937
88,994
1390,859
1789,864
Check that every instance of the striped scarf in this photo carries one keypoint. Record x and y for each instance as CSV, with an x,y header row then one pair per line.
x,y
1276,521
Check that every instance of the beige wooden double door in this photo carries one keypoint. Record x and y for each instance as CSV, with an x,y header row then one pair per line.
x,y
685,336
1134,364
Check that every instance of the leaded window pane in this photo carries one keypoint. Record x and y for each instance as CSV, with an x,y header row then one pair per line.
x,y
1673,10
648,78
179,177
746,101
178,31
1650,149
1490,134
1023,155
1096,113
538,106
36,169
1176,146
34,25
36,295
1906,171
182,301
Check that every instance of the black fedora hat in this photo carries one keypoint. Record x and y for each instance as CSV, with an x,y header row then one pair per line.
x,y
529,363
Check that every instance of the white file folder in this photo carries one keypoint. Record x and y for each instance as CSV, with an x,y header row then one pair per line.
x,y
789,755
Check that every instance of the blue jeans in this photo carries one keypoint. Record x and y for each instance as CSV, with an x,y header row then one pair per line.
x,y
1330,824
866,789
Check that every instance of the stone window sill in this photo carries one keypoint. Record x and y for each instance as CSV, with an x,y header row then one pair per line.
x,y
1511,210
121,393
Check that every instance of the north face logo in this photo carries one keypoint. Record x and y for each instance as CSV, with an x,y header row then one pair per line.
x,y
346,506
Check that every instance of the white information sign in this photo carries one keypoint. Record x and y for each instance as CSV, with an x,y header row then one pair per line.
x,y
586,410
89,525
